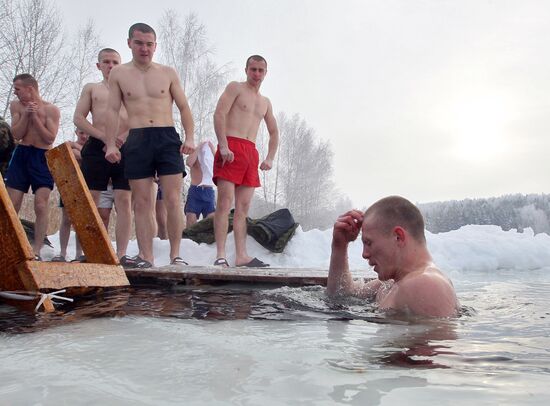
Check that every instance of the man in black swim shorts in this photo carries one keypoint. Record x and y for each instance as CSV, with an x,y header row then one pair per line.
x,y
97,171
148,91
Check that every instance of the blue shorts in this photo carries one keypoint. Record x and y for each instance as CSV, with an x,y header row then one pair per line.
x,y
28,167
200,200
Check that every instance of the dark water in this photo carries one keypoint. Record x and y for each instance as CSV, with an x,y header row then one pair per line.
x,y
249,345
230,302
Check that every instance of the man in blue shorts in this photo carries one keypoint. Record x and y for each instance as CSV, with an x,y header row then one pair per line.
x,y
200,196
34,124
148,91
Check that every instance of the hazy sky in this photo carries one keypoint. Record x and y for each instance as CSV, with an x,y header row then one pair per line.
x,y
432,100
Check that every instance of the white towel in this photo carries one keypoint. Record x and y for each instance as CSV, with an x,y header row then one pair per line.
x,y
206,161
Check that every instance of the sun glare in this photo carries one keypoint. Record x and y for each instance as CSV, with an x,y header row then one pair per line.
x,y
477,126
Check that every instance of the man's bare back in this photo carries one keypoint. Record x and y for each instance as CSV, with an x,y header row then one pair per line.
x,y
426,291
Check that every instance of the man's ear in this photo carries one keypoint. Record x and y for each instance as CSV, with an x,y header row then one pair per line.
x,y
399,234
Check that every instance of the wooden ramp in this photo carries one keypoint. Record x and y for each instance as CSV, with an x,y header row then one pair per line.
x,y
80,206
18,269
175,274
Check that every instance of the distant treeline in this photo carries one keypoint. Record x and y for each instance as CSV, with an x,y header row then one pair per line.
x,y
509,212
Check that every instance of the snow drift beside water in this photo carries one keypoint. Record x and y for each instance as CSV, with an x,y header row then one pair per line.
x,y
471,248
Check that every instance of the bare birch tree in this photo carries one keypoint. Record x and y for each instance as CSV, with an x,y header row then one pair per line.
x,y
301,178
31,41
82,58
184,45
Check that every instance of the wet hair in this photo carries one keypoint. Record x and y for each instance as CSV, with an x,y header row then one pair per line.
x,y
27,79
257,58
106,50
141,27
393,211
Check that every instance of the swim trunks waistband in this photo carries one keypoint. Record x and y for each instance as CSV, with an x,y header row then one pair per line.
x,y
239,139
151,129
31,146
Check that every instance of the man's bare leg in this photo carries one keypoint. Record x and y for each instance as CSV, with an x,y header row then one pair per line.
x,y
171,195
64,232
41,209
16,197
105,215
123,227
190,219
226,194
161,217
143,211
96,195
243,197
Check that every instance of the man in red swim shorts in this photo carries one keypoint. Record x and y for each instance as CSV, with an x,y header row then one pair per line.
x,y
238,115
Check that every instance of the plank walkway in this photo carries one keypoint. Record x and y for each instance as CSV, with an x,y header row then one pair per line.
x,y
205,274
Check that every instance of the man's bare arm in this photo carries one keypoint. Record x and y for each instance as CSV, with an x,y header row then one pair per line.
x,y
185,113
123,127
340,281
19,120
222,110
273,131
191,159
114,103
83,108
47,131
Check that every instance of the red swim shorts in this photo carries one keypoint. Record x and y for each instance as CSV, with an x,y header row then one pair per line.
x,y
243,171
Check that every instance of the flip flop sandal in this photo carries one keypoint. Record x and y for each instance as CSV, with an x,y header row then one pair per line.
x,y
142,264
128,262
221,262
254,263
81,258
58,258
178,261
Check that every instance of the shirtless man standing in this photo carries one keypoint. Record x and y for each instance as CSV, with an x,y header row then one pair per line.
x,y
97,171
237,118
148,91
34,124
395,245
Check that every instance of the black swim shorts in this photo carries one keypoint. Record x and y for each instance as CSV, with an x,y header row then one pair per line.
x,y
152,150
98,171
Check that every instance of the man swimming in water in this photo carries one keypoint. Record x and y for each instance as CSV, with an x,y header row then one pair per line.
x,y
395,245
148,91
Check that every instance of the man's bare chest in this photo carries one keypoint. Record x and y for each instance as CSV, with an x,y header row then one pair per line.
x,y
139,87
253,106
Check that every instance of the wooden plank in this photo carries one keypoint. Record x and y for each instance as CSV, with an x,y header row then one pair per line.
x,y
59,275
80,206
14,245
176,273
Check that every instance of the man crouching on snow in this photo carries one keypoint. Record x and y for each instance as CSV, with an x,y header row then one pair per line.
x,y
395,245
